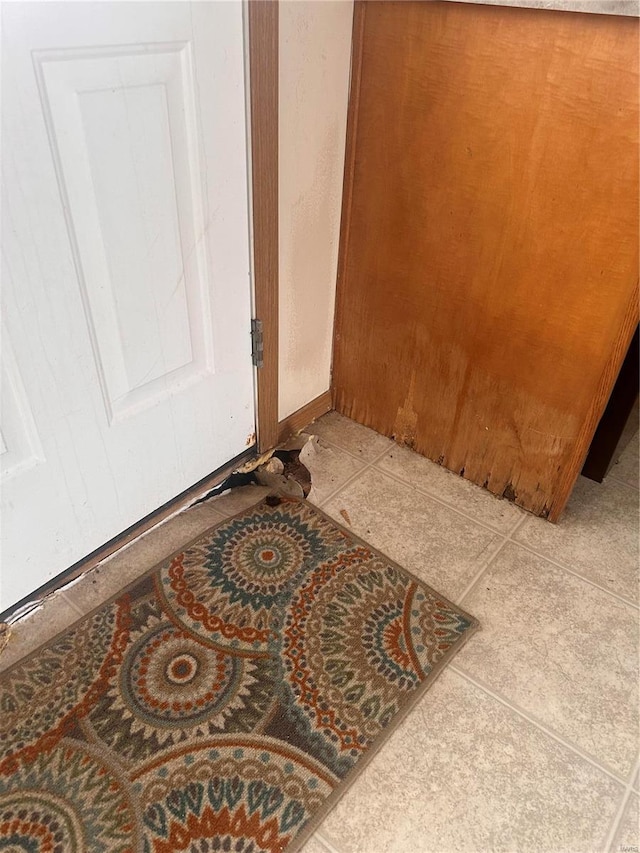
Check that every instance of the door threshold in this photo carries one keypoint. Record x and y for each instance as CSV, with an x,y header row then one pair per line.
x,y
176,505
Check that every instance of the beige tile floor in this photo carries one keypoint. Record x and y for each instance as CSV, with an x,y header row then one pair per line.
x,y
529,741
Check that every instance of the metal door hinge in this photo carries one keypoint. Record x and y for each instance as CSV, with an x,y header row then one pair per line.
x,y
257,343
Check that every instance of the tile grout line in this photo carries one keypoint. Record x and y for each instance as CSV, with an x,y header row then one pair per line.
x,y
353,455
440,501
324,841
576,574
489,562
485,564
332,495
505,538
421,491
223,515
619,480
508,537
518,525
372,460
617,818
73,605
534,721
628,789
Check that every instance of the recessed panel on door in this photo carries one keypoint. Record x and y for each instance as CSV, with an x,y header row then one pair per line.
x,y
123,128
126,290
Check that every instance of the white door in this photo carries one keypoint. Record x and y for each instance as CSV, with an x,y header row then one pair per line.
x,y
126,301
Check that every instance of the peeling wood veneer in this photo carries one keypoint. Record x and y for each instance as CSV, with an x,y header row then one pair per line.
x,y
487,284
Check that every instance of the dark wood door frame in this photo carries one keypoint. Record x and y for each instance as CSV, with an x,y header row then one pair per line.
x,y
263,86
263,75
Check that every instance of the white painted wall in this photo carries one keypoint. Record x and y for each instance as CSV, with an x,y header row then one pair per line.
x,y
315,57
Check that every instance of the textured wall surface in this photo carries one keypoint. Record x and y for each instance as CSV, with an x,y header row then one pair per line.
x,y
315,56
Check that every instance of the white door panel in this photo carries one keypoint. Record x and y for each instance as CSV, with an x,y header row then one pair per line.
x,y
126,290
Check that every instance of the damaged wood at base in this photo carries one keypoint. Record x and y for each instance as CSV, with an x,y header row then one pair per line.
x,y
509,491
447,336
280,469
5,635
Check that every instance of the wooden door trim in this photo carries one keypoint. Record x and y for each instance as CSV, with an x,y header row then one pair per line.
x,y
303,416
263,87
357,44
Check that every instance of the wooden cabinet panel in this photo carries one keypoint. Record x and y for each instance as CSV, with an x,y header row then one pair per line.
x,y
487,287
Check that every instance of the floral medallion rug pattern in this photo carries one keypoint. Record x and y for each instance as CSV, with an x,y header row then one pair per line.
x,y
225,700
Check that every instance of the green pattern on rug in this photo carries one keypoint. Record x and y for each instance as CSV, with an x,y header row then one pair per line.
x,y
226,700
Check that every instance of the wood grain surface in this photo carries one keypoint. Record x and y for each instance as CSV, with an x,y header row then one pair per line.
x,y
263,70
487,287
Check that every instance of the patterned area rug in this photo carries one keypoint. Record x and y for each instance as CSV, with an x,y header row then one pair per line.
x,y
223,702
